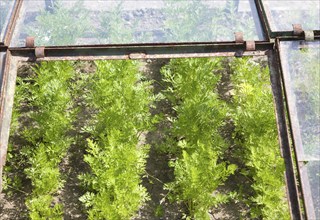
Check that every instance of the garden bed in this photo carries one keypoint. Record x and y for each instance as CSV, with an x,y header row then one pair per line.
x,y
155,139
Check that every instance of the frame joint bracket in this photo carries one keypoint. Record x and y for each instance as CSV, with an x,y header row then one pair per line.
x,y
297,29
308,35
30,41
250,45
238,37
39,52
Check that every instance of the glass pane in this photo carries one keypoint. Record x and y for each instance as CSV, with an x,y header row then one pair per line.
x,y
301,70
6,7
282,14
311,184
87,22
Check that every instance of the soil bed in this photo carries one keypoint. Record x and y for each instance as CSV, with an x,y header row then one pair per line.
x,y
157,174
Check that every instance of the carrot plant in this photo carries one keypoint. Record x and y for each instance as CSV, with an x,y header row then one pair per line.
x,y
114,29
115,156
59,25
20,98
200,113
10,177
256,133
211,22
50,119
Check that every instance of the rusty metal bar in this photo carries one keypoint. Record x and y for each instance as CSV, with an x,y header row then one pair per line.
x,y
292,190
6,102
146,51
225,44
315,36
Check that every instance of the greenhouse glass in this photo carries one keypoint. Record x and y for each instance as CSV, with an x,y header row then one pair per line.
x,y
87,22
301,71
282,14
6,7
313,181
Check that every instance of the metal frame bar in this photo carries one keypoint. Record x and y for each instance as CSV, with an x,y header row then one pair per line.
x,y
145,51
5,115
277,89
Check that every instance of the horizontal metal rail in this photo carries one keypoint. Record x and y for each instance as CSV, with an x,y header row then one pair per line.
x,y
145,51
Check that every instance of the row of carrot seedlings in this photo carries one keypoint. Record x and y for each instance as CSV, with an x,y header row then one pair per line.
x,y
120,98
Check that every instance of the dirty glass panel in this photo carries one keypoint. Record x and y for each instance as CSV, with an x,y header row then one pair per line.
x,y
6,7
301,69
311,184
87,22
282,14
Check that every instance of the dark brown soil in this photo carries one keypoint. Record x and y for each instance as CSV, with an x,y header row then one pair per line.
x,y
73,164
158,173
71,167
